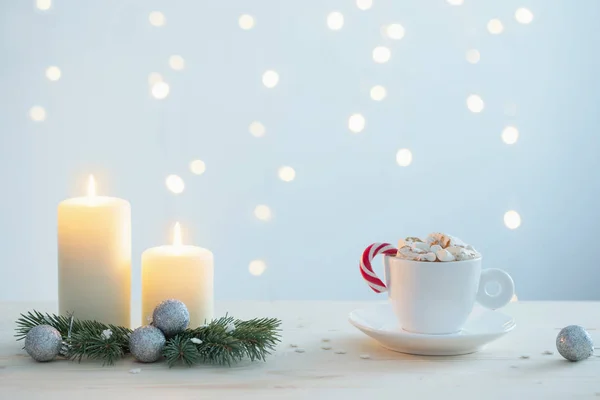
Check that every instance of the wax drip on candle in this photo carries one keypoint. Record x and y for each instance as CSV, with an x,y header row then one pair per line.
x,y
91,191
177,235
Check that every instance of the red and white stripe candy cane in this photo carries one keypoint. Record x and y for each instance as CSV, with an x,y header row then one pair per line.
x,y
366,269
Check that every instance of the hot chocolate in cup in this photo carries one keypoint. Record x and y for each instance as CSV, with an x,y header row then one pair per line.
x,y
430,295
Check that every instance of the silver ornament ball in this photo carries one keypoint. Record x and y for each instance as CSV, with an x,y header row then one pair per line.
x,y
146,343
171,317
574,343
43,343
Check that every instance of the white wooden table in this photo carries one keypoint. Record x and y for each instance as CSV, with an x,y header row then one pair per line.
x,y
498,372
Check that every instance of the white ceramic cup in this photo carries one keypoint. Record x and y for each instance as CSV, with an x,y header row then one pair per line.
x,y
437,297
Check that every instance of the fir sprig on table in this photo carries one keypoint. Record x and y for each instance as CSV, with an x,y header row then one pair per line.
x,y
223,341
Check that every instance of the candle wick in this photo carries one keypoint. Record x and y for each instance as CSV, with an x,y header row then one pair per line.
x,y
177,235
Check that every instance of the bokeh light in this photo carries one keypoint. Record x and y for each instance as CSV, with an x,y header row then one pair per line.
x,y
475,103
175,184
270,79
43,5
263,212
364,4
404,157
495,26
157,18
53,73
286,174
154,77
394,31
381,54
246,22
356,123
197,167
335,21
510,135
523,15
160,90
512,219
473,56
257,129
378,93
455,2
257,267
37,113
176,62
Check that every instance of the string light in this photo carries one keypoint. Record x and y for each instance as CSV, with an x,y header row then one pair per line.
x,y
43,5
356,123
512,219
394,31
157,18
37,114
175,184
197,167
263,212
286,174
523,16
160,90
473,56
381,54
510,135
176,62
364,4
335,21
404,157
246,22
257,267
154,77
378,93
475,103
270,79
257,129
495,26
53,73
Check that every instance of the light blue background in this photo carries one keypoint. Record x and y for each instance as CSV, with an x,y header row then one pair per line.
x,y
348,191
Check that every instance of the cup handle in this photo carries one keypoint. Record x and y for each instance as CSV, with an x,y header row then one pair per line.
x,y
366,269
503,297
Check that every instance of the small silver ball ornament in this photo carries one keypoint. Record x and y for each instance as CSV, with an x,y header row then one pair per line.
x,y
43,343
574,343
146,343
171,317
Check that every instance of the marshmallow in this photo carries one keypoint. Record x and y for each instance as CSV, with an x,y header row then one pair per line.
x,y
444,255
435,248
428,257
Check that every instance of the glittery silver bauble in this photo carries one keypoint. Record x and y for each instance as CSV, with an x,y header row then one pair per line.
x,y
146,343
171,317
43,343
574,343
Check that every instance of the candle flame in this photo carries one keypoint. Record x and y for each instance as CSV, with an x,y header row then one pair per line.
x,y
91,190
177,235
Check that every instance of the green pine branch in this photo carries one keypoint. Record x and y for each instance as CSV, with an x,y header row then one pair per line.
x,y
224,341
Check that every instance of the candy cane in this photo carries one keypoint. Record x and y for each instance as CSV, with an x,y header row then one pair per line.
x,y
367,270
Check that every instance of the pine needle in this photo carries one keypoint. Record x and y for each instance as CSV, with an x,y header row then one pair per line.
x,y
224,341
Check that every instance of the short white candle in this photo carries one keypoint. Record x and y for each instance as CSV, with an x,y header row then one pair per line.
x,y
179,272
94,257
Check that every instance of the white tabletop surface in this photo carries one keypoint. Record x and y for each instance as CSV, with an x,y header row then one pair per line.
x,y
498,372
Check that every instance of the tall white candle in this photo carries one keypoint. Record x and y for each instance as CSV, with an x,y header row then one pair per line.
x,y
94,257
179,272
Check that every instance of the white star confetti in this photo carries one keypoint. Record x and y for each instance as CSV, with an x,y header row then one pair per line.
x,y
196,340
106,334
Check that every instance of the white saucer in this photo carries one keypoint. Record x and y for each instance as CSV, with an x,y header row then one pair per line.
x,y
483,327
